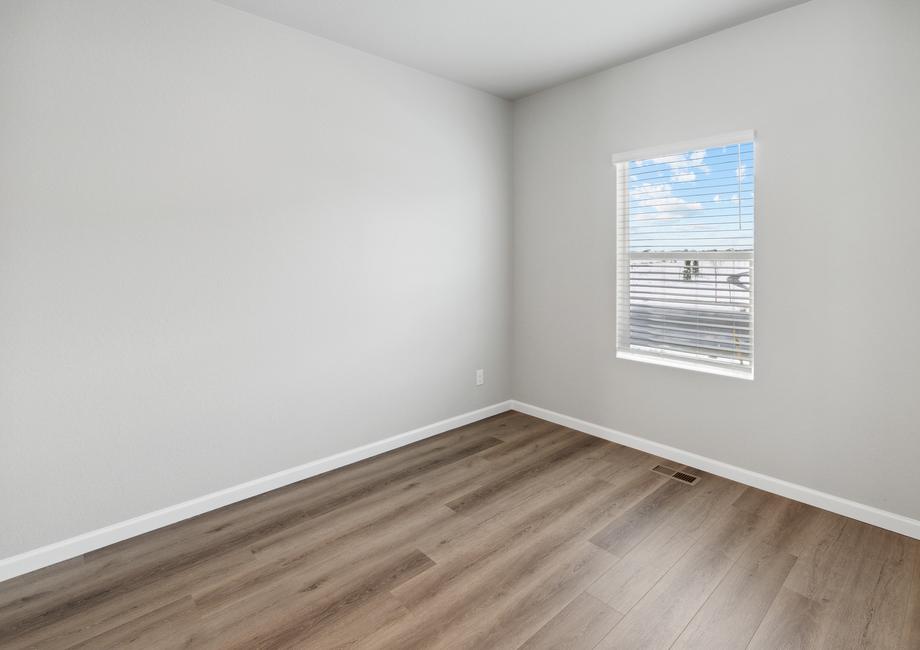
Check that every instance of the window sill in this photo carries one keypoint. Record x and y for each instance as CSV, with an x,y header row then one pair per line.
x,y
685,365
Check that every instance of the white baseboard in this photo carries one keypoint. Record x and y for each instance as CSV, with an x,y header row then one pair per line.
x,y
862,512
64,550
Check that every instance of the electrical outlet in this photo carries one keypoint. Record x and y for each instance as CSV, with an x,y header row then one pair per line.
x,y
480,377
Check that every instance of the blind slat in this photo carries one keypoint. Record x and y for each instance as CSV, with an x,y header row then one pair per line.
x,y
729,318
636,175
670,159
677,346
731,185
729,340
675,300
742,329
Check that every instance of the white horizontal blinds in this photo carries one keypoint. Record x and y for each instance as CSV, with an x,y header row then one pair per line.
x,y
685,257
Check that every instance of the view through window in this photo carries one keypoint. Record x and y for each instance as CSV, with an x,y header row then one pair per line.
x,y
685,229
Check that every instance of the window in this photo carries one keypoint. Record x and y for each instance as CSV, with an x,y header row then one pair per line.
x,y
685,249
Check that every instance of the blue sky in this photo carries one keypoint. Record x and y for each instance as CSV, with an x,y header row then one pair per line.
x,y
699,200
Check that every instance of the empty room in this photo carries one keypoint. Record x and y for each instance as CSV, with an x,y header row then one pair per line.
x,y
459,324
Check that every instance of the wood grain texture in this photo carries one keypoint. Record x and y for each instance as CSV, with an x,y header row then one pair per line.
x,y
510,532
580,625
732,614
910,638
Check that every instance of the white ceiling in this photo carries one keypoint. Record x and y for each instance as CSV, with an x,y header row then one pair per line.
x,y
511,47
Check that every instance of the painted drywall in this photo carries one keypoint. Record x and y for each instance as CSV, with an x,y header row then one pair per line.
x,y
228,248
832,88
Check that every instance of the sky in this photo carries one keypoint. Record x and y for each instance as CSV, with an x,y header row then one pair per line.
x,y
699,200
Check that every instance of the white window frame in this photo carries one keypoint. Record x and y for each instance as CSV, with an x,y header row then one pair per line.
x,y
620,162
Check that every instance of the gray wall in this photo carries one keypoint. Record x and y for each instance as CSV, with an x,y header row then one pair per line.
x,y
228,248
833,89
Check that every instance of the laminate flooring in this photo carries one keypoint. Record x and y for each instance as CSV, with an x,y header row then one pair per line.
x,y
511,532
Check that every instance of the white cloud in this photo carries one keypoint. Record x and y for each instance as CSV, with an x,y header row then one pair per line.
x,y
660,197
684,167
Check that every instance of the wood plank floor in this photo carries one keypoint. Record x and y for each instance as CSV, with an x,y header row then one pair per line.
x,y
508,533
